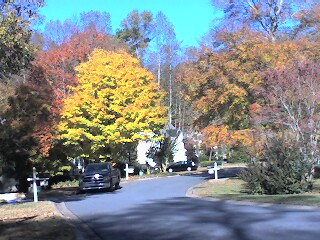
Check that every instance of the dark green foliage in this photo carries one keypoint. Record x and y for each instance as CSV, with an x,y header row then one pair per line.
x,y
135,31
25,109
162,153
57,179
283,171
210,163
206,163
189,145
203,157
316,172
16,52
239,155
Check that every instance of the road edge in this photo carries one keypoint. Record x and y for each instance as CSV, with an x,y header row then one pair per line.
x,y
191,194
82,230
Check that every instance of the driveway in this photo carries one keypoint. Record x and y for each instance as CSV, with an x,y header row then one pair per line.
x,y
159,209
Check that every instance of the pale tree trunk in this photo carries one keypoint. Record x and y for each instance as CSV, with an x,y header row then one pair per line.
x,y
180,113
183,115
159,69
211,151
170,93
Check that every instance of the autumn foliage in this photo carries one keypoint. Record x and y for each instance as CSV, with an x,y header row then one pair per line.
x,y
54,74
247,83
227,84
116,102
59,62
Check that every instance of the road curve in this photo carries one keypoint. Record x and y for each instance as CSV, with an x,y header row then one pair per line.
x,y
159,209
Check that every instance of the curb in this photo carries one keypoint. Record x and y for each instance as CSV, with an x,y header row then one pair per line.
x,y
82,230
191,194
148,178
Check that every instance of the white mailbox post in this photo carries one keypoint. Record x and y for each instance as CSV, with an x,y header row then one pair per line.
x,y
43,183
128,170
34,186
214,170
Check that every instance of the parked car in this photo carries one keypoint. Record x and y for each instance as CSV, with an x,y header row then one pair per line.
x,y
182,166
99,176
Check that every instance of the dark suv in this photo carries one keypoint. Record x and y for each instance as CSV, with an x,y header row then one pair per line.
x,y
99,176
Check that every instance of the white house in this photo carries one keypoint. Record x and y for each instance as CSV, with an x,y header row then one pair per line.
x,y
179,151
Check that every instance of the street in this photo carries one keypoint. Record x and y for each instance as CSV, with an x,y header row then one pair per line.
x,y
159,209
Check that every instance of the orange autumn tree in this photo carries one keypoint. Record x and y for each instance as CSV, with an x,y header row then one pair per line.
x,y
115,103
218,135
221,86
54,72
226,83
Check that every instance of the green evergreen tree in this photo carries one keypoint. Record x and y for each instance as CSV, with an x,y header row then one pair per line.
x,y
284,170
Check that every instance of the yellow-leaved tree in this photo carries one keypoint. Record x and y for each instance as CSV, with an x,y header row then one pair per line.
x,y
115,104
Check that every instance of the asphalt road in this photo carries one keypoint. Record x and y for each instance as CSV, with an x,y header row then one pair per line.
x,y
159,209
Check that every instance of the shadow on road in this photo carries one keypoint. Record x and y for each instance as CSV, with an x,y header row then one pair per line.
x,y
68,194
188,218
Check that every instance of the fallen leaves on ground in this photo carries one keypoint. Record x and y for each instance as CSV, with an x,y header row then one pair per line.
x,y
33,221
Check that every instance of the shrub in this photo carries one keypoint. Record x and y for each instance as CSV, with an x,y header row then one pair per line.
x,y
206,163
283,171
66,184
209,163
203,157
239,155
316,173
59,178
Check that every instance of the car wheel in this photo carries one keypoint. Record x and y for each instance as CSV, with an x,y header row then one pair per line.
x,y
189,169
170,170
81,191
111,188
117,186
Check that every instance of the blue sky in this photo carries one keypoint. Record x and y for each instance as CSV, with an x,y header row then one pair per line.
x,y
191,18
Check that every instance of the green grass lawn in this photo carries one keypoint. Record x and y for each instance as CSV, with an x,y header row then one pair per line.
x,y
232,189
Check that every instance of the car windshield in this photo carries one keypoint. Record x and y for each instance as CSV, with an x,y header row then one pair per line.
x,y
180,163
97,167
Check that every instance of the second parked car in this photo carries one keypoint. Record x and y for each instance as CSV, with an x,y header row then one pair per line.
x,y
182,166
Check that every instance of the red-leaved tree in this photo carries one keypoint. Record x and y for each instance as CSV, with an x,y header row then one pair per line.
x,y
54,69
294,95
